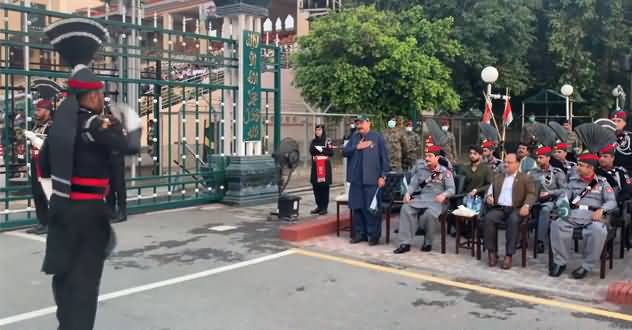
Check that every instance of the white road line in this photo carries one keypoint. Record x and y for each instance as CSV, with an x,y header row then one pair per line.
x,y
27,236
172,210
151,286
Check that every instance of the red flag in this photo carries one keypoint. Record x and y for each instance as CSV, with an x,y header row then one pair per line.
x,y
507,114
487,115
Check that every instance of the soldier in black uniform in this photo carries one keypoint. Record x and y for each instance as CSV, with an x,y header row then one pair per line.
x,y
624,141
117,196
43,109
75,156
617,176
619,179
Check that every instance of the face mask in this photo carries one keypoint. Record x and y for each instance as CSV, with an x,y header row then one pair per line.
x,y
409,129
391,124
444,128
532,118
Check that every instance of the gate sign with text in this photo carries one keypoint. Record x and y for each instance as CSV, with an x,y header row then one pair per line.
x,y
252,86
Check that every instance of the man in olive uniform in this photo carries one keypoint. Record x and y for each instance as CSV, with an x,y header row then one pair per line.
x,y
527,136
450,146
43,109
550,184
591,197
413,145
75,156
560,152
495,164
572,143
428,191
395,145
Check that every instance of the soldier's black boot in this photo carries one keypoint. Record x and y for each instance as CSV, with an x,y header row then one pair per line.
x,y
403,248
38,229
580,273
556,270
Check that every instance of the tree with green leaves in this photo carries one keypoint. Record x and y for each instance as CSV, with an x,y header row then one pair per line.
x,y
492,32
365,60
588,40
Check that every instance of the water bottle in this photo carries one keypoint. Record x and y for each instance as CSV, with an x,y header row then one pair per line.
x,y
477,204
469,202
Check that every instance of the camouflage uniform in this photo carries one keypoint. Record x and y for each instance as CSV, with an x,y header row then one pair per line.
x,y
572,141
395,145
413,150
527,136
594,233
552,180
439,181
450,148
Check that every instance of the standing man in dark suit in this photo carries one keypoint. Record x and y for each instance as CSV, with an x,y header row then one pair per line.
x,y
510,197
366,171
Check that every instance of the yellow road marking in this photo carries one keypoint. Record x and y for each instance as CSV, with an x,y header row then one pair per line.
x,y
471,287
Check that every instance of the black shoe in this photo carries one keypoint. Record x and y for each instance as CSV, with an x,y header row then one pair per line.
x,y
374,241
357,240
426,248
580,273
322,212
402,249
540,248
38,230
557,270
314,211
121,218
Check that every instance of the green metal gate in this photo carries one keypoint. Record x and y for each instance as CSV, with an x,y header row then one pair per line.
x,y
177,79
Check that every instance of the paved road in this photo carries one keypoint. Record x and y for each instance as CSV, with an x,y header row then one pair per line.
x,y
241,278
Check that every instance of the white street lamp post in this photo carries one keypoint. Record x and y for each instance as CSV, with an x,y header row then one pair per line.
x,y
489,76
567,91
618,93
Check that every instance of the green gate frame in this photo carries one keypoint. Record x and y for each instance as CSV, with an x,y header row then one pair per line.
x,y
167,186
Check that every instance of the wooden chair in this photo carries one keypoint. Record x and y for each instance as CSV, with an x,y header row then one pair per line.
x,y
524,238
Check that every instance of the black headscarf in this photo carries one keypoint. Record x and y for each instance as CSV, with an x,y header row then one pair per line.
x,y
323,137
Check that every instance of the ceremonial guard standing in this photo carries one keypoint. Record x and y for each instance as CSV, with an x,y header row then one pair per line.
x,y
450,147
591,197
43,113
550,184
76,156
395,138
623,155
413,147
617,176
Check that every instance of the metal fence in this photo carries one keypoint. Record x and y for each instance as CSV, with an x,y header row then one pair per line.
x,y
184,115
